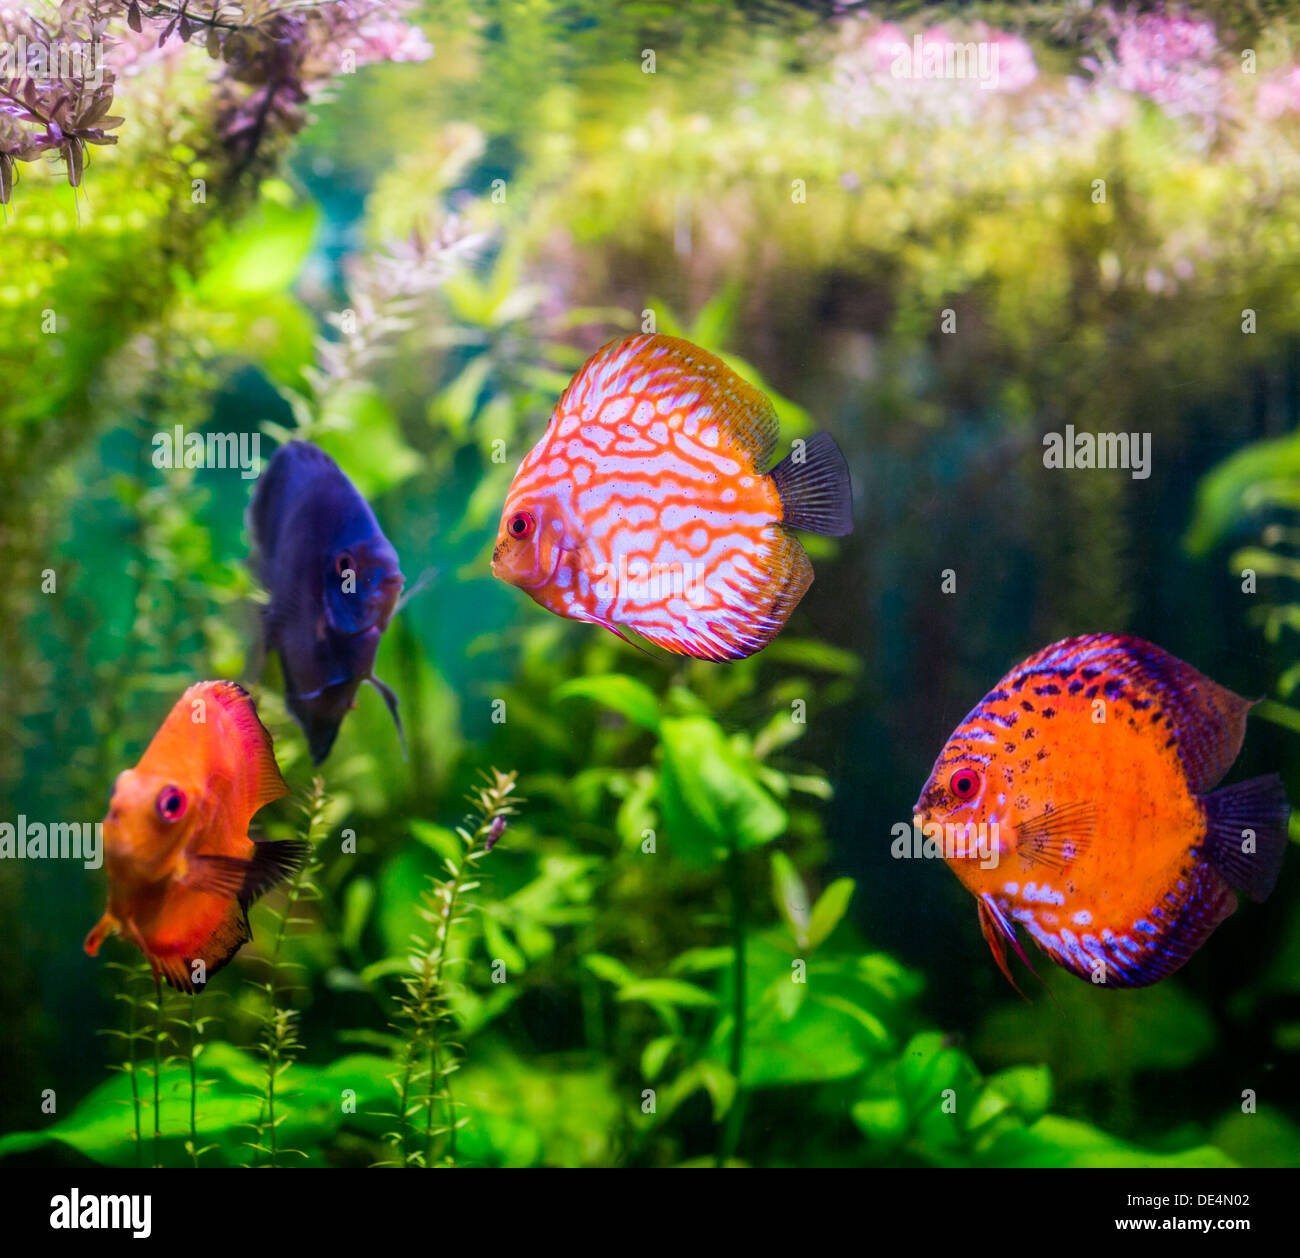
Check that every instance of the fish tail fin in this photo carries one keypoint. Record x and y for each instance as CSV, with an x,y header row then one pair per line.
x,y
390,698
1246,835
814,487
998,932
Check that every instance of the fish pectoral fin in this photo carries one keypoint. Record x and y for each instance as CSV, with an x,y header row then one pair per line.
x,y
1058,838
423,581
246,880
107,925
391,700
219,875
998,932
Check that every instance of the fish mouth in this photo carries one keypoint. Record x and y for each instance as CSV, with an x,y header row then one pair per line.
x,y
384,599
533,579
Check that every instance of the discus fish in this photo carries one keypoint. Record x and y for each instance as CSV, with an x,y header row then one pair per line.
x,y
182,869
1088,777
334,582
646,504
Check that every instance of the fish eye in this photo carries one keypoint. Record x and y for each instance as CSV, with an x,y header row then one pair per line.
x,y
171,803
965,783
521,524
344,563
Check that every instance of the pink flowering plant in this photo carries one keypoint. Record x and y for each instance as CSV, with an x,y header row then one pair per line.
x,y
60,64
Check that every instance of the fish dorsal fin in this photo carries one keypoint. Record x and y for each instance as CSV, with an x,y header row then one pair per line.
x,y
1207,721
674,375
255,774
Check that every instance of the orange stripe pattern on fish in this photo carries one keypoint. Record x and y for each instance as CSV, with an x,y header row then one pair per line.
x,y
1088,777
646,504
181,867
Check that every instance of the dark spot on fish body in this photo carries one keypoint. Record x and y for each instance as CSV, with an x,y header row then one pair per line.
x,y
1089,673
1074,687
1026,706
1028,734
1042,755
1091,692
1049,713
1049,689
1009,748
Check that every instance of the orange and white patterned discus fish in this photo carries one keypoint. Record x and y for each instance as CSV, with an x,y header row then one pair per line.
x,y
1077,801
647,504
182,869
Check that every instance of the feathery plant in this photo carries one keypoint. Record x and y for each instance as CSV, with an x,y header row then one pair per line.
x,y
191,1045
278,1039
428,1058
137,1030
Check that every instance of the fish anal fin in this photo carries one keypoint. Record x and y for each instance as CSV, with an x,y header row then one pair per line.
x,y
191,973
178,973
735,627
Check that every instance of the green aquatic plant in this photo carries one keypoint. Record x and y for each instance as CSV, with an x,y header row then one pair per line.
x,y
428,1056
132,976
278,1038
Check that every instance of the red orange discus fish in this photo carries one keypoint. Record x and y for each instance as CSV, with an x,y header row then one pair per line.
x,y
1091,769
646,504
181,867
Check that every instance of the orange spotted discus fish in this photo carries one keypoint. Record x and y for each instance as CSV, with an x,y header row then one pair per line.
x,y
1089,774
646,505
181,867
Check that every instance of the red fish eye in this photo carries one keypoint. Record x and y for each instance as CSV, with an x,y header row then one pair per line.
x,y
965,783
521,524
343,563
171,803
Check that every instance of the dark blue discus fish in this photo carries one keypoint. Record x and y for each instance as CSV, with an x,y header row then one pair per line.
x,y
334,583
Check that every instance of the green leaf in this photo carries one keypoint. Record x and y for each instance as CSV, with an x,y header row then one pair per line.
x,y
310,1100
710,797
1056,1141
360,432
667,991
624,694
655,1054
263,256
1225,495
1028,1088
610,969
829,909
790,896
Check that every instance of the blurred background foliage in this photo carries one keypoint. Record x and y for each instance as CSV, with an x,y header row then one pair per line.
x,y
410,282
